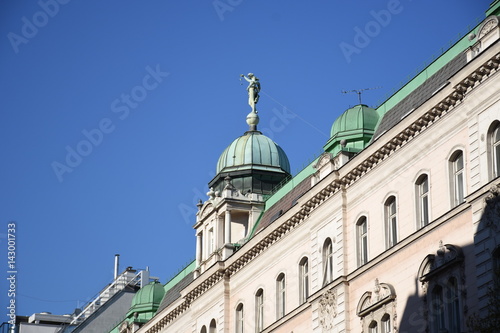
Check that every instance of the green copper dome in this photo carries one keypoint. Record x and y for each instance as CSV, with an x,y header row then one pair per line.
x,y
148,298
253,150
353,129
252,163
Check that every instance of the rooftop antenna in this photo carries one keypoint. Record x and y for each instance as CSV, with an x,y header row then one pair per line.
x,y
358,91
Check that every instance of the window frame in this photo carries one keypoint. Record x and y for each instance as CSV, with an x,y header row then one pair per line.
x,y
391,221
303,280
385,324
280,296
240,318
327,261
494,147
422,194
259,310
212,328
457,177
362,240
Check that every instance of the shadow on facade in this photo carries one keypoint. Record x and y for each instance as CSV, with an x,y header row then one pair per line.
x,y
452,283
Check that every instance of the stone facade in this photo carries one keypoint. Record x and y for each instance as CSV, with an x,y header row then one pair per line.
x,y
400,237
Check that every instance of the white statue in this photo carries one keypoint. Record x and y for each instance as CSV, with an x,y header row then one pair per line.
x,y
253,90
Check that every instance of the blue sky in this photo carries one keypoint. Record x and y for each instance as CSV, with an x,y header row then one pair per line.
x,y
114,114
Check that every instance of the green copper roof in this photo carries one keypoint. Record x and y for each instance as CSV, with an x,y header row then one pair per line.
x,y
253,150
148,298
356,126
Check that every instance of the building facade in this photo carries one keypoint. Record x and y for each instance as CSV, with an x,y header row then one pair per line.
x,y
394,228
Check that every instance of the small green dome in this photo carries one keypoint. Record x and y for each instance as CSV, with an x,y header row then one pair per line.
x,y
148,298
355,127
253,150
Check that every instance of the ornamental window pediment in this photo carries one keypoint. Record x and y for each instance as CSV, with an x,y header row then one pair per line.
x,y
487,33
446,257
377,308
382,294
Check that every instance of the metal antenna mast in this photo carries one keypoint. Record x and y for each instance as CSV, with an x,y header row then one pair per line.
x,y
358,91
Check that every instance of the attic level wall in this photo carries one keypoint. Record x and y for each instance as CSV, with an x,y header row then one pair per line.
x,y
484,109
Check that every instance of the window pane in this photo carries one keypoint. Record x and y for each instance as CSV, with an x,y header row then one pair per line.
x,y
458,170
327,261
460,188
438,321
425,186
425,211
453,306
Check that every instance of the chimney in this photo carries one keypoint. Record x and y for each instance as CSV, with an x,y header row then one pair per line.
x,y
117,264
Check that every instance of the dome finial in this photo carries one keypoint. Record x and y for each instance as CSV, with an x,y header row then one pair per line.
x,y
253,90
252,120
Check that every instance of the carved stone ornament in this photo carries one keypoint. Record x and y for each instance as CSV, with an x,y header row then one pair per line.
x,y
447,255
205,211
490,24
382,294
491,214
323,160
328,309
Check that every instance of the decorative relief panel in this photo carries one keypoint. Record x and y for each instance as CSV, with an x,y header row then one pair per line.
x,y
328,309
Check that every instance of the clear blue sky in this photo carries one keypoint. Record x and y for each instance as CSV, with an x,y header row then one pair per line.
x,y
155,84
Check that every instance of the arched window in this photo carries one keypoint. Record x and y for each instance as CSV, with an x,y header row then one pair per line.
x,y
422,193
457,177
303,280
495,150
444,312
453,311
213,326
385,324
391,222
327,261
203,329
362,240
259,310
280,295
437,308
239,318
373,328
